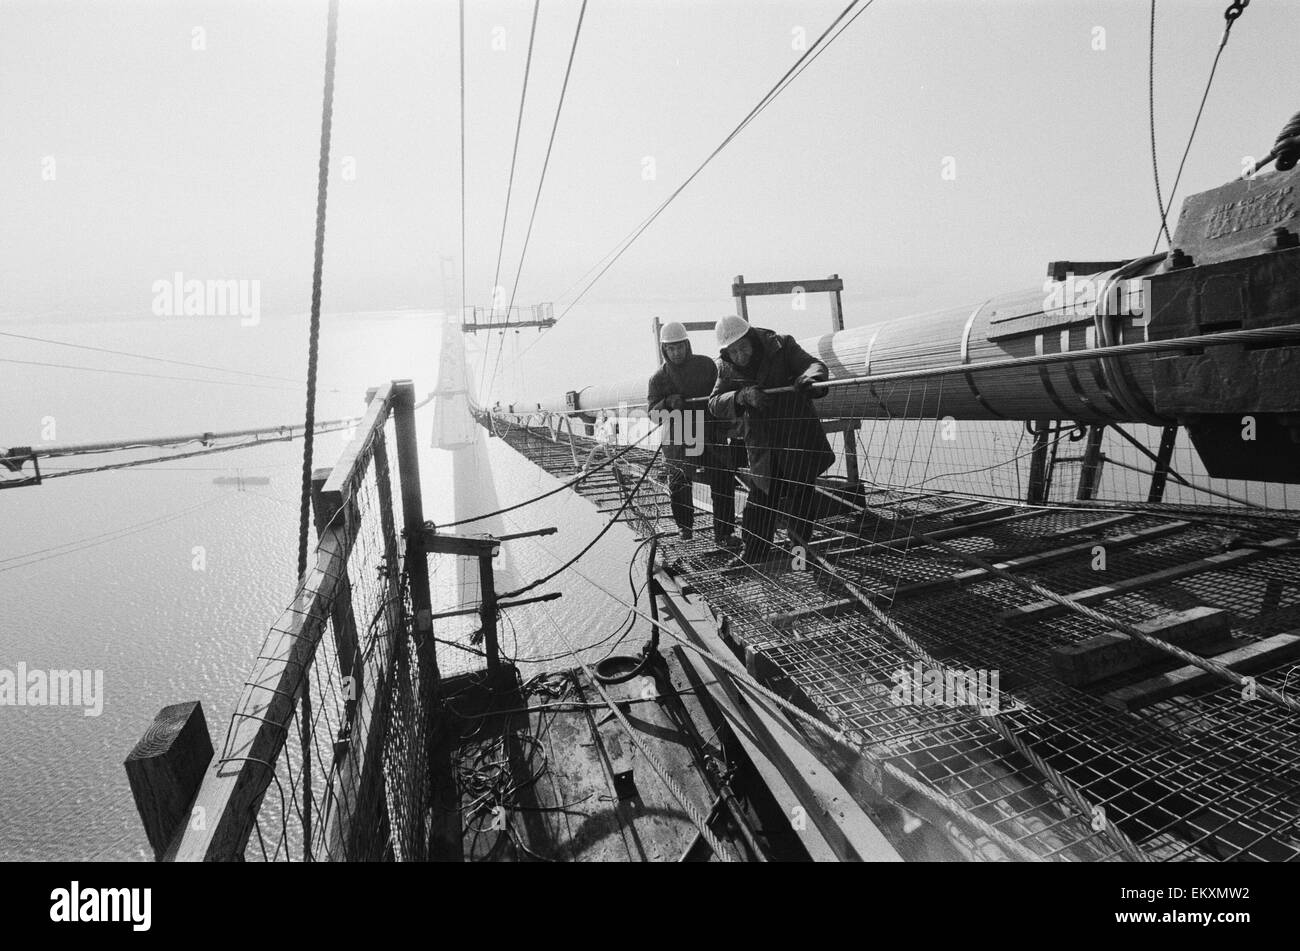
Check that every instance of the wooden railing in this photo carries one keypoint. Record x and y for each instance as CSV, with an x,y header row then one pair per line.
x,y
197,806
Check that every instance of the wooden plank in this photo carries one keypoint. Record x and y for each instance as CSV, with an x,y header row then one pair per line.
x,y
994,518
1107,654
344,477
1272,650
768,288
973,528
842,425
166,768
995,512
471,546
964,505
785,619
1047,609
836,826
1043,557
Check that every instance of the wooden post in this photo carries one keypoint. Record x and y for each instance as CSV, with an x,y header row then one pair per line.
x,y
165,770
417,561
837,308
325,506
1038,466
439,774
1090,471
1164,455
850,439
740,297
655,326
488,614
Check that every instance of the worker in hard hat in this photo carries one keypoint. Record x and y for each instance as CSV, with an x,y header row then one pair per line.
x,y
787,446
688,376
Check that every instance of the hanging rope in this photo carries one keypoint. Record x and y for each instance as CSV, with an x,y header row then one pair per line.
x,y
313,351
313,343
461,316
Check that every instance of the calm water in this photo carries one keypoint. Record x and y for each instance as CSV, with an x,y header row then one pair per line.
x,y
101,571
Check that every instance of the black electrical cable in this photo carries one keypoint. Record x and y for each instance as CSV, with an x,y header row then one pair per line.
x,y
599,535
582,476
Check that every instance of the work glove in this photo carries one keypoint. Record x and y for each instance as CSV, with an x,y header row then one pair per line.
x,y
752,397
804,383
675,401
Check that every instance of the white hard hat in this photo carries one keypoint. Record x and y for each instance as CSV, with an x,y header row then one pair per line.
x,y
672,332
730,329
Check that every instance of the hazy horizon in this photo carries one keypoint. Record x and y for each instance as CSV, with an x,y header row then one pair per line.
x,y
937,153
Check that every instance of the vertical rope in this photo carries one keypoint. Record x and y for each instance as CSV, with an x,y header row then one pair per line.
x,y
462,161
313,350
313,343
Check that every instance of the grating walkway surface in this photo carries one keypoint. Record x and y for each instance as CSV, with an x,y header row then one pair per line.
x,y
1205,774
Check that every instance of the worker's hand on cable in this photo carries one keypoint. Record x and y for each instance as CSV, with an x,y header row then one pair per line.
x,y
675,401
753,397
804,383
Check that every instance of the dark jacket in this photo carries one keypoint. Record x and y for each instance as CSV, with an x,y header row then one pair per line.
x,y
693,379
786,438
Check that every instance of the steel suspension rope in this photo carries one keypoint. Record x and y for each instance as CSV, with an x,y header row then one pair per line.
x,y
140,373
568,69
809,55
1151,120
1231,15
145,356
510,183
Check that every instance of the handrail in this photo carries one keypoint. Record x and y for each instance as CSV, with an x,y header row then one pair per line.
x,y
239,776
1226,338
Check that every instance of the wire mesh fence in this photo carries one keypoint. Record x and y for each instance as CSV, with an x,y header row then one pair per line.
x,y
916,578
332,718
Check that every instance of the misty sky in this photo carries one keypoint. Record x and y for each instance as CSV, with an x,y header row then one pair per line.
x,y
170,158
